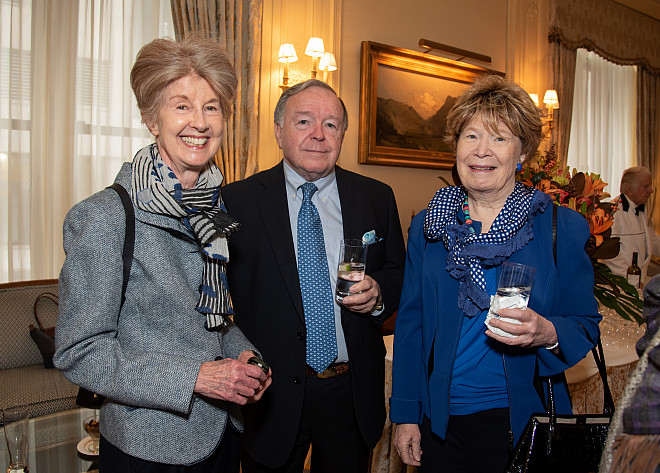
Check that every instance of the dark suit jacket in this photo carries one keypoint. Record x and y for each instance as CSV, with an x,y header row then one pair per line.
x,y
264,286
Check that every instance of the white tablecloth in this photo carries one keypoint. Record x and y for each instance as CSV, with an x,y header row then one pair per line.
x,y
619,337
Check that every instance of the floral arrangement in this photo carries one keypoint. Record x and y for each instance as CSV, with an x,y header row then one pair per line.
x,y
584,192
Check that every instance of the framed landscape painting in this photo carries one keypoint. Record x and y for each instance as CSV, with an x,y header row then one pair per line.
x,y
404,100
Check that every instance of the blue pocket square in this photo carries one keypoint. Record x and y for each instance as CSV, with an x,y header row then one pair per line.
x,y
370,237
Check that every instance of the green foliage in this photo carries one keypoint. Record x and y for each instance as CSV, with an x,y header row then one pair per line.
x,y
616,293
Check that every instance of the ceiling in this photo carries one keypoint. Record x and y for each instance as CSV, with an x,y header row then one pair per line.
x,y
648,7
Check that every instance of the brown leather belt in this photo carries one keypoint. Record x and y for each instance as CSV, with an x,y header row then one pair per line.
x,y
331,371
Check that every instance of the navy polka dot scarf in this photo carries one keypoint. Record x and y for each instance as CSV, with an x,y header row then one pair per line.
x,y
156,189
470,253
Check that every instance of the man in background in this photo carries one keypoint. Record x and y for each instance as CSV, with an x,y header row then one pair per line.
x,y
327,358
631,223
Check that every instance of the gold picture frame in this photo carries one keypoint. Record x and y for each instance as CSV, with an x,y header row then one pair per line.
x,y
404,98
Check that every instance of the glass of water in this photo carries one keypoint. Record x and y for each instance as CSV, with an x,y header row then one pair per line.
x,y
513,290
515,285
352,263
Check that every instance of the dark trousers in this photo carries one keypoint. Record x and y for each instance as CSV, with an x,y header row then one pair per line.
x,y
225,459
328,423
475,443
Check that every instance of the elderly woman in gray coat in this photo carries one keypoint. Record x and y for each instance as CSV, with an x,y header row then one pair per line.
x,y
172,365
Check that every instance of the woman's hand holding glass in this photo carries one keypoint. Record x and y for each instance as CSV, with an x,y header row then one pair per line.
x,y
532,331
232,380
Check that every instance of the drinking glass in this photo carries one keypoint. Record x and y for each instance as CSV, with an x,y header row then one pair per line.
x,y
352,263
15,421
513,290
515,285
91,426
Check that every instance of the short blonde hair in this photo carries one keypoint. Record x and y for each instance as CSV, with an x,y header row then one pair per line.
x,y
163,61
496,99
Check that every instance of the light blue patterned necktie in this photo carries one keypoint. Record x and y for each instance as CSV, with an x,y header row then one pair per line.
x,y
315,285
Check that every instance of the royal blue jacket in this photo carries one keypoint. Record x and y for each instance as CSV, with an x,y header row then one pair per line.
x,y
429,318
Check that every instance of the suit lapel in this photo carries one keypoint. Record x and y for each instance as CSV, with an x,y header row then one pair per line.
x,y
353,215
274,210
353,205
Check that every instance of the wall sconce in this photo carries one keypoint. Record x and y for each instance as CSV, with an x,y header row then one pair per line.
x,y
286,56
551,101
327,64
315,49
321,60
535,98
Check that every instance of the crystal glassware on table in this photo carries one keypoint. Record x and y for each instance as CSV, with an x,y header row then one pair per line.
x,y
513,290
15,420
351,268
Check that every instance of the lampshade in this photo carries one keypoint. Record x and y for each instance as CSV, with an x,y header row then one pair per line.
x,y
314,47
550,98
287,53
328,62
535,99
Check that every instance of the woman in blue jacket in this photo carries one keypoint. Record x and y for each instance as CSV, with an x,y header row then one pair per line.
x,y
462,394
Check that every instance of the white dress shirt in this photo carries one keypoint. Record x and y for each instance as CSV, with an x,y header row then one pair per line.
x,y
326,200
636,236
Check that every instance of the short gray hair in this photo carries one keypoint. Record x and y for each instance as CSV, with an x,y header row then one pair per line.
x,y
280,108
631,177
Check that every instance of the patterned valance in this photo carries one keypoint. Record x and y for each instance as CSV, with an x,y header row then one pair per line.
x,y
616,32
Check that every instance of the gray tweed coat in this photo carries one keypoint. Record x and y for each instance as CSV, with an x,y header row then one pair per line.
x,y
145,360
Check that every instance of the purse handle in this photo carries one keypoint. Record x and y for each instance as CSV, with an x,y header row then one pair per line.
x,y
44,295
599,355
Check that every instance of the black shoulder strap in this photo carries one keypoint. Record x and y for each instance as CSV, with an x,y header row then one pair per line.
x,y
129,239
554,232
597,350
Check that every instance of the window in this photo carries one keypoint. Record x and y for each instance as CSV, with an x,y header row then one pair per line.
x,y
68,118
603,127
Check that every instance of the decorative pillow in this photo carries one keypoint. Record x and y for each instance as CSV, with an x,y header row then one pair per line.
x,y
45,344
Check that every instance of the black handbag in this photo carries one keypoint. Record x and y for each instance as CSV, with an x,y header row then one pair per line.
x,y
44,337
564,443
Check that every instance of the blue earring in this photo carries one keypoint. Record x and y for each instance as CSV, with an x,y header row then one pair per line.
x,y
519,167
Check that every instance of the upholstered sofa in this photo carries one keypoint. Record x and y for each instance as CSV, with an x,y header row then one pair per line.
x,y
23,378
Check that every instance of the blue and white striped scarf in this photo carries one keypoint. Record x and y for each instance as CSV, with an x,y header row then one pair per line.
x,y
469,253
156,189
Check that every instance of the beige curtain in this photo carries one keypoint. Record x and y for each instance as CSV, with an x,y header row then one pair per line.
x,y
51,182
648,145
563,79
623,36
236,25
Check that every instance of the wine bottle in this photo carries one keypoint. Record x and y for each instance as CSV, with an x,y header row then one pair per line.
x,y
634,273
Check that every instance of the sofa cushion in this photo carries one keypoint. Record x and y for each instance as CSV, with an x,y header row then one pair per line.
x,y
43,391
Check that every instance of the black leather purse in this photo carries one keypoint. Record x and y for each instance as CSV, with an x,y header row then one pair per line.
x,y
564,443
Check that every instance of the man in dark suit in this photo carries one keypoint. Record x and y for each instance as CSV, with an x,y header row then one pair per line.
x,y
336,405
